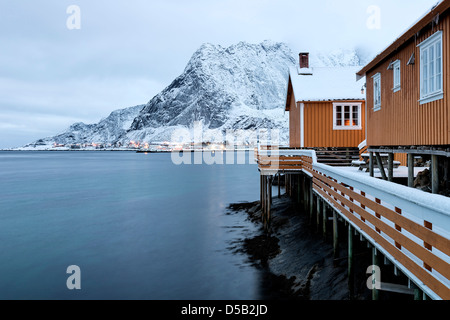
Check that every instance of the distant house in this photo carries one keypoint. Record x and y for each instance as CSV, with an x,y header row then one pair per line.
x,y
407,95
326,108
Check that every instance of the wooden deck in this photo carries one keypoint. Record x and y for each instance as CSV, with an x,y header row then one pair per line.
x,y
409,227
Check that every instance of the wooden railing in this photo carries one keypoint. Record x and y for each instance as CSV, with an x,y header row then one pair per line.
x,y
410,227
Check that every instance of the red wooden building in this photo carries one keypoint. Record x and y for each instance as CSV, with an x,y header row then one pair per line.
x,y
326,108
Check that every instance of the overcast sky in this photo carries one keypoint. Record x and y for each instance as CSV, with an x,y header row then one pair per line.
x,y
125,52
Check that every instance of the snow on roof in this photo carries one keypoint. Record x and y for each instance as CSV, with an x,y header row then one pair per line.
x,y
328,83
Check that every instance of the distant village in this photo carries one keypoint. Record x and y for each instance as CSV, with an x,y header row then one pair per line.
x,y
152,147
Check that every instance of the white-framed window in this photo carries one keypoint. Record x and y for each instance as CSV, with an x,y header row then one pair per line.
x,y
431,79
397,75
376,92
347,116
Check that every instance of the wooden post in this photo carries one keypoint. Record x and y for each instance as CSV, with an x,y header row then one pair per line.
x,y
269,202
418,294
435,173
380,166
371,168
410,170
263,204
335,236
270,189
311,202
351,280
285,183
318,211
325,218
279,187
391,167
260,190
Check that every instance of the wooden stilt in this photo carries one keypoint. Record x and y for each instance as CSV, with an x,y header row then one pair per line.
x,y
260,190
285,183
325,218
351,280
270,189
335,236
435,174
380,166
269,202
262,194
371,165
318,211
391,167
311,200
410,170
279,187
418,294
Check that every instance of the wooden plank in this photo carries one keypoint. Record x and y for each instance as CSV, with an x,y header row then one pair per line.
x,y
434,239
422,253
435,285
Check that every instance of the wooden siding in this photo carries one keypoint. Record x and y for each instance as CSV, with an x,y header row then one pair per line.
x,y
319,131
402,121
402,157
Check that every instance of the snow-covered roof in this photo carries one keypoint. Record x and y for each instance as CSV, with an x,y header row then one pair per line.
x,y
327,84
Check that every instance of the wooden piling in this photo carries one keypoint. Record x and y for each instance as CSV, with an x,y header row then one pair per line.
x,y
410,170
351,280
318,211
371,164
269,202
335,235
380,166
325,218
435,174
391,167
279,186
311,200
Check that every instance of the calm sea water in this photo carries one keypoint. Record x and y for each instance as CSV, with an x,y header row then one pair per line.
x,y
138,226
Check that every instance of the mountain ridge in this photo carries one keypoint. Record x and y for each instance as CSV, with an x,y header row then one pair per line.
x,y
240,87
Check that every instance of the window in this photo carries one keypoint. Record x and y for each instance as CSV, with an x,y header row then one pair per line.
x,y
376,92
431,69
396,68
347,116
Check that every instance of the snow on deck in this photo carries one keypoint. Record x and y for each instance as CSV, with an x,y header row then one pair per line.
x,y
400,172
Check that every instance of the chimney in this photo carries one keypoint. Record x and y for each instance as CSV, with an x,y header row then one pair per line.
x,y
304,60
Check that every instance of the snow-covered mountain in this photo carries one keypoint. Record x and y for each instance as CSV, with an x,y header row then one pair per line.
x,y
108,130
241,87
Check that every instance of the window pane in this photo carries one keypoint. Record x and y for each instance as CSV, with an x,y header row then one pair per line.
x,y
396,74
355,116
346,116
425,72
338,116
431,70
438,66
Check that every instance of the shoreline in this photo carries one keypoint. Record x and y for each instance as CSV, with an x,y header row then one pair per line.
x,y
297,262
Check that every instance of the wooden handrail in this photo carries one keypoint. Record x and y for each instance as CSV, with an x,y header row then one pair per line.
x,y
382,212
